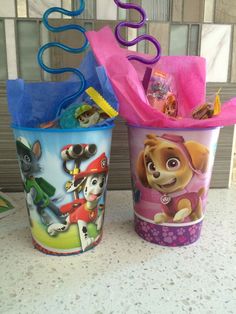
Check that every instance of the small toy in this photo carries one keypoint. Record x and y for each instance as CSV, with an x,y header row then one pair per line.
x,y
89,116
139,38
85,115
82,116
161,93
67,119
101,102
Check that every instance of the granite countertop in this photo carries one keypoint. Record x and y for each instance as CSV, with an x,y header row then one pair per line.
x,y
123,274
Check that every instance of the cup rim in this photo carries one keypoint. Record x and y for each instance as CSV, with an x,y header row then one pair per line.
x,y
101,128
172,129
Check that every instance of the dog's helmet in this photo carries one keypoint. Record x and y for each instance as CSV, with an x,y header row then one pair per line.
x,y
22,145
97,166
82,109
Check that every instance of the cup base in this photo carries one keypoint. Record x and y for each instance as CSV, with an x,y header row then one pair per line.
x,y
167,235
58,253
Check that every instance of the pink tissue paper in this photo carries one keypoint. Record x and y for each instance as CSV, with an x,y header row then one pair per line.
x,y
190,79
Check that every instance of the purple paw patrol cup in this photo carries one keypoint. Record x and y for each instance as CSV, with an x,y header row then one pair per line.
x,y
64,174
171,172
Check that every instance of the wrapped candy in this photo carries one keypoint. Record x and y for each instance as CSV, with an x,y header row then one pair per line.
x,y
212,107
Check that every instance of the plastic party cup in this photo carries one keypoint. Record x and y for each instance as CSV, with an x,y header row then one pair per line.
x,y
171,172
64,173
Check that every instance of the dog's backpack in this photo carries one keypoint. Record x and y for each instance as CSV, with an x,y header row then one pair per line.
x,y
46,186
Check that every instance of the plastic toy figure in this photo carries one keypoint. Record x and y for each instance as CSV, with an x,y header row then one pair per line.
x,y
88,115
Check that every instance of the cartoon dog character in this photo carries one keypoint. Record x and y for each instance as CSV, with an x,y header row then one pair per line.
x,y
170,107
75,154
84,211
167,164
88,115
38,190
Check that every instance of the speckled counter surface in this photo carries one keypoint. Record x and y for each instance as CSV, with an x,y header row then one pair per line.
x,y
123,274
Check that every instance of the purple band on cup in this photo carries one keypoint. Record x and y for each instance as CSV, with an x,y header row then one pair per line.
x,y
166,235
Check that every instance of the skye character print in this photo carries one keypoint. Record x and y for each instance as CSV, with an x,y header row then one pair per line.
x,y
167,164
39,191
87,210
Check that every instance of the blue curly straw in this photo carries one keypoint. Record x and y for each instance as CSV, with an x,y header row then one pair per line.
x,y
68,100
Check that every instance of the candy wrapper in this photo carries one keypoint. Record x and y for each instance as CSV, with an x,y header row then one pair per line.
x,y
33,104
161,93
190,79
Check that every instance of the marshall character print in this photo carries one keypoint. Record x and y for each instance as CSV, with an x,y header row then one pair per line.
x,y
91,183
76,154
38,190
167,164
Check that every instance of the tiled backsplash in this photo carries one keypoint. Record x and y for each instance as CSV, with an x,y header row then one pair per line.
x,y
215,47
191,27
